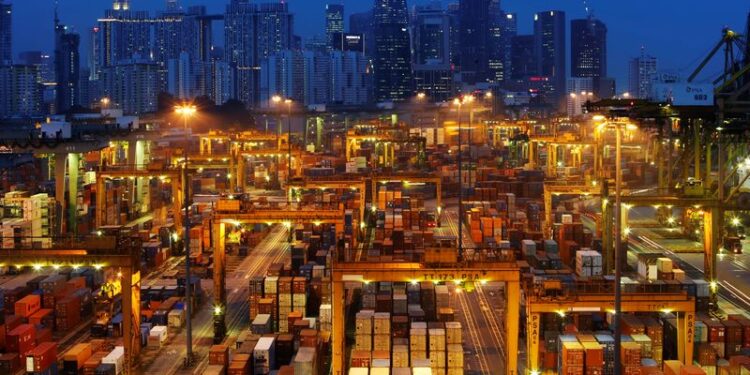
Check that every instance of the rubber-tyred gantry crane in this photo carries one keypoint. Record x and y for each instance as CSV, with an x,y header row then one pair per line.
x,y
366,272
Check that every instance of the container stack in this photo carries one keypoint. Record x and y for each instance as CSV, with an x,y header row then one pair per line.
x,y
588,263
382,331
418,341
299,295
630,354
268,305
437,347
363,330
285,303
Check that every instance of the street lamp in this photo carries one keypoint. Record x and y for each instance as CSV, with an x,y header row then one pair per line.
x,y
459,103
618,127
105,102
187,111
288,103
275,101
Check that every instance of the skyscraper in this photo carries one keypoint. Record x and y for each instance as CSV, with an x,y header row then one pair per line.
x,y
641,75
479,35
588,48
431,32
252,32
334,21
124,34
282,73
392,51
181,80
67,67
523,60
549,48
350,78
6,33
362,23
509,25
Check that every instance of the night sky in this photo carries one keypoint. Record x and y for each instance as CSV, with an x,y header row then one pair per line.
x,y
678,32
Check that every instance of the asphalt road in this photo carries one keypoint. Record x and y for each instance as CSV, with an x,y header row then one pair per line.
x,y
168,360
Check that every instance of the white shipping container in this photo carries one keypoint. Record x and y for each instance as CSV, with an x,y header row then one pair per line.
x,y
382,322
419,355
380,363
437,359
363,322
359,371
363,342
175,318
304,362
270,285
264,355
437,340
421,370
117,358
418,339
400,355
381,342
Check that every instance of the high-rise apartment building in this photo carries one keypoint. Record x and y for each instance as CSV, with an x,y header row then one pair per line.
x,y
20,90
479,34
509,26
523,60
132,85
282,74
393,80
124,34
253,32
350,78
549,49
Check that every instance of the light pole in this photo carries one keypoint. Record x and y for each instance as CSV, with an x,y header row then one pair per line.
x,y
421,96
288,103
459,103
618,127
187,111
275,100
105,102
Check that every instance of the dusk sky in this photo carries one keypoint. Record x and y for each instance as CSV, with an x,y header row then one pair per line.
x,y
678,32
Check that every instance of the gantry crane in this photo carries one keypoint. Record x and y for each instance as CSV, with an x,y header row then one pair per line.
x,y
574,188
288,217
337,182
112,172
365,272
601,301
96,251
407,178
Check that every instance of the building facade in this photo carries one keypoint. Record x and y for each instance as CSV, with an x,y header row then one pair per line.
x,y
6,33
334,22
67,67
588,48
641,74
393,81
549,51
132,85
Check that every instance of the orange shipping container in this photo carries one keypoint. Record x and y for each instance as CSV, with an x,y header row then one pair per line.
x,y
76,283
28,305
672,367
37,317
692,370
79,354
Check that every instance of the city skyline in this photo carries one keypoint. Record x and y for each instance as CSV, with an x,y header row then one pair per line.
x,y
630,25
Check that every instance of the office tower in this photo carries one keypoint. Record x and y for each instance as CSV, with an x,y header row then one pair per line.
x,y
509,27
125,34
588,48
317,85
282,74
132,85
641,75
20,90
580,90
94,53
392,51
431,32
453,11
253,32
549,48
362,23
334,21
181,79
480,41
349,42
523,60
350,78
6,33
67,67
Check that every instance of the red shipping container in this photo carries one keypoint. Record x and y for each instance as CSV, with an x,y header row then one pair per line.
x,y
70,306
42,357
716,330
76,283
43,335
48,301
28,305
38,316
9,363
20,338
